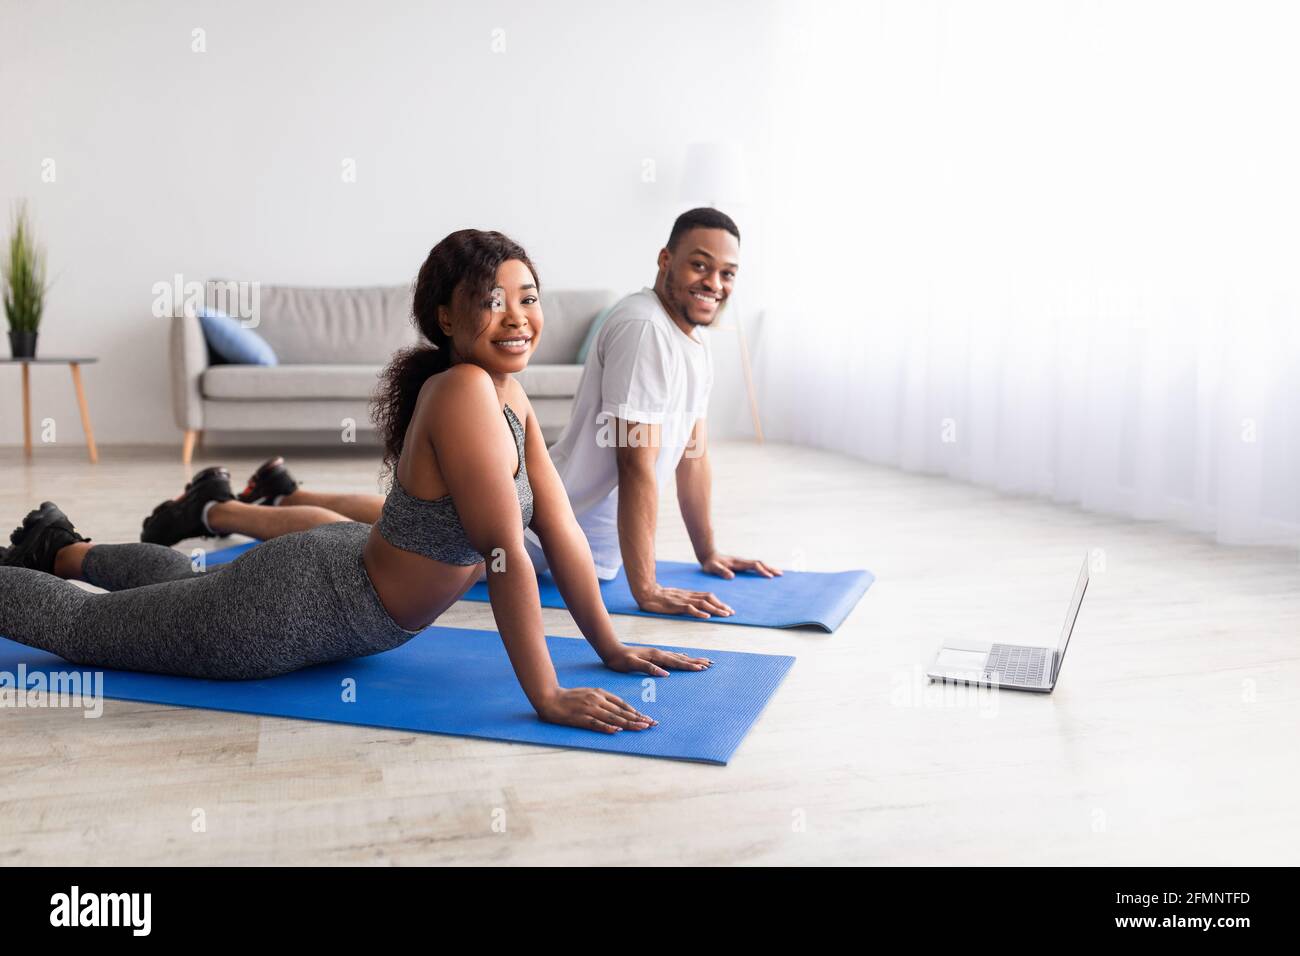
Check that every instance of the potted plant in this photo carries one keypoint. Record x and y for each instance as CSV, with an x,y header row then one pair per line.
x,y
24,286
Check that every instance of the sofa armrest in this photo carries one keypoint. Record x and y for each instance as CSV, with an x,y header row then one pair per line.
x,y
189,359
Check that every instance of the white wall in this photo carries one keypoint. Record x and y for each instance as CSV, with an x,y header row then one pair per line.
x,y
228,162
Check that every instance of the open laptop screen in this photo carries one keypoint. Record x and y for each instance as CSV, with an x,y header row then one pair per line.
x,y
1080,586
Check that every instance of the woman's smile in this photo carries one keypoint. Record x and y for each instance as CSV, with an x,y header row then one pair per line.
x,y
515,344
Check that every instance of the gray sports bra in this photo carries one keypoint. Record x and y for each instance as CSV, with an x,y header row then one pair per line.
x,y
432,527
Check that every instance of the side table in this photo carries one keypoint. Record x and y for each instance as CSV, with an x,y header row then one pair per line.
x,y
72,363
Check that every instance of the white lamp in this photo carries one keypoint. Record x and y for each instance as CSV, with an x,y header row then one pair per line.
x,y
714,174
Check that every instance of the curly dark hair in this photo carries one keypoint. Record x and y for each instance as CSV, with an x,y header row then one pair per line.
x,y
468,260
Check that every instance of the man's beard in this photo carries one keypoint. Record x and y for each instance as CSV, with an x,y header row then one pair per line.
x,y
683,308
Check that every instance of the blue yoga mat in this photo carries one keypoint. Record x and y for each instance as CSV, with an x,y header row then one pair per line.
x,y
457,681
795,599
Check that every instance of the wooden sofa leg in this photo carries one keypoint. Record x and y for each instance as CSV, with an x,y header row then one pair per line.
x,y
187,449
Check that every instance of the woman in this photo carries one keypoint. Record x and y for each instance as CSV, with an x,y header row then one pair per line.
x,y
470,471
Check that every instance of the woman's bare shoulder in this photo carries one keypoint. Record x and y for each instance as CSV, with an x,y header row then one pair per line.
x,y
517,399
459,386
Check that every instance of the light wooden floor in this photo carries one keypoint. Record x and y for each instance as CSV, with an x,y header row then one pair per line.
x,y
1171,739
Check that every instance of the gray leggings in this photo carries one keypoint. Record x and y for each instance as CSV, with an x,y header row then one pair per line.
x,y
293,601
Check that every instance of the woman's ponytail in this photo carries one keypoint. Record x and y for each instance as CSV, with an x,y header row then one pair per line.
x,y
394,403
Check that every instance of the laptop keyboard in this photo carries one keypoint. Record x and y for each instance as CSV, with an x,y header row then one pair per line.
x,y
1016,665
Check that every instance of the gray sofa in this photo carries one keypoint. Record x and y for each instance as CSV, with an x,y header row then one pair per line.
x,y
332,345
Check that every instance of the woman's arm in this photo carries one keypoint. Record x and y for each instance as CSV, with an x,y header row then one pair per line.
x,y
569,556
477,471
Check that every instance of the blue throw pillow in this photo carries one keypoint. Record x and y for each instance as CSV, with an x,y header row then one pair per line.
x,y
596,324
233,342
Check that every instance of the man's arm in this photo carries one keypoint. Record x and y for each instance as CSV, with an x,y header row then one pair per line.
x,y
694,494
638,515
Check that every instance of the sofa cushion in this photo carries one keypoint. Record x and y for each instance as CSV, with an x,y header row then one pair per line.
x,y
593,330
325,326
550,381
338,415
569,314
308,326
281,382
353,381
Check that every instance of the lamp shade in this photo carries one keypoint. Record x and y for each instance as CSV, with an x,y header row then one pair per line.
x,y
714,173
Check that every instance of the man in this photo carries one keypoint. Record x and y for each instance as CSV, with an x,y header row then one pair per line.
x,y
639,416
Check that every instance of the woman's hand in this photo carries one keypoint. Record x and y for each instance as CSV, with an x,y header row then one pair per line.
x,y
652,660
591,708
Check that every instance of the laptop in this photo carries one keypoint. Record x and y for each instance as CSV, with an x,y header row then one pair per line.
x,y
1009,666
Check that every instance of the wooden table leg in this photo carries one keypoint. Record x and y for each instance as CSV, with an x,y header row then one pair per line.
x,y
27,410
85,413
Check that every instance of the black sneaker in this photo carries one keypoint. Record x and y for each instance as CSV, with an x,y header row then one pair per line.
x,y
212,471
270,482
38,539
181,518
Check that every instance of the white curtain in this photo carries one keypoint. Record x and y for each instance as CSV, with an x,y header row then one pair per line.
x,y
1050,247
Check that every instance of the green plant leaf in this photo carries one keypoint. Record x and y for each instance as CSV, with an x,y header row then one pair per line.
x,y
25,278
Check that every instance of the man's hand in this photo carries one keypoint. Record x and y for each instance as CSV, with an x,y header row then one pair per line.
x,y
725,566
661,600
653,660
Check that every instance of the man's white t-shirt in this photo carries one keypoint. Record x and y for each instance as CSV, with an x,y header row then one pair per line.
x,y
641,368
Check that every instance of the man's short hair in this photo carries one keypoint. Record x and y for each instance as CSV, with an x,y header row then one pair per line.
x,y
706,217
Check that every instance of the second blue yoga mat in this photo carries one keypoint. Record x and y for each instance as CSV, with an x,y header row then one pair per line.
x,y
795,599
458,681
